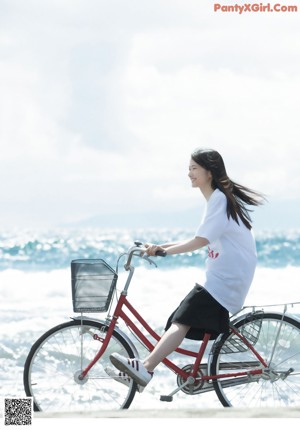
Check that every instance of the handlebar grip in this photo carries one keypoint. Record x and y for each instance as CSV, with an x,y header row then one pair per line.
x,y
161,253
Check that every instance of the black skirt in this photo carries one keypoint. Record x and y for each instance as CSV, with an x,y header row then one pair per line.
x,y
203,313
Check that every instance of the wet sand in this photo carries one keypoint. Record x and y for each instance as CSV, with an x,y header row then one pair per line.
x,y
184,413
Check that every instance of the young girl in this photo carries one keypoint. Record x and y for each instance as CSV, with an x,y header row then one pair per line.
x,y
226,231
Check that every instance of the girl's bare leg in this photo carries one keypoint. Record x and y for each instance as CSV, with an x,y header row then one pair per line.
x,y
171,339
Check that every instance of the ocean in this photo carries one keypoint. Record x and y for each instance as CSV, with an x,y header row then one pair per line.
x,y
35,286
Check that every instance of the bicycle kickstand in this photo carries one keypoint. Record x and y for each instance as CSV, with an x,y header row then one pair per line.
x,y
169,398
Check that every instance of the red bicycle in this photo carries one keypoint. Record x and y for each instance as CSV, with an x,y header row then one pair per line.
x,y
257,364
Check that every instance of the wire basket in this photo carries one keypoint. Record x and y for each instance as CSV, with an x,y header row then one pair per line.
x,y
250,331
93,284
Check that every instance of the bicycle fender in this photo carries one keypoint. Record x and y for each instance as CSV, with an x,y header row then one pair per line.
x,y
248,315
120,332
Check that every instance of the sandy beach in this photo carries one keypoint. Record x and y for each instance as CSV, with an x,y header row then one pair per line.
x,y
182,413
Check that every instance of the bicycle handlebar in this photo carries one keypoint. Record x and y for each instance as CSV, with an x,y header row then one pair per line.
x,y
140,250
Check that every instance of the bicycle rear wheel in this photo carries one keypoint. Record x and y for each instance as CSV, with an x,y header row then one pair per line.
x,y
277,339
56,360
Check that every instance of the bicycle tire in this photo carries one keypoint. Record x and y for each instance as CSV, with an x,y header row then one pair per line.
x,y
273,388
57,358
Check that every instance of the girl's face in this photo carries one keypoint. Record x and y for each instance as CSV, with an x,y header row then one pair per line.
x,y
200,177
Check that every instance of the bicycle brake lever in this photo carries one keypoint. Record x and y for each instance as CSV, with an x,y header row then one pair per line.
x,y
146,257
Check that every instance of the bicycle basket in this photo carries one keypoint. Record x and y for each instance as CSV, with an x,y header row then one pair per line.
x,y
93,284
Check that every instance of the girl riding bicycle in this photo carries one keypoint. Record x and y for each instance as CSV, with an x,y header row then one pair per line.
x,y
226,230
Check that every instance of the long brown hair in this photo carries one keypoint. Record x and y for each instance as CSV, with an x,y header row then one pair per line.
x,y
238,196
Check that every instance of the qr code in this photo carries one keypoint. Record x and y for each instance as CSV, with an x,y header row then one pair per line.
x,y
18,412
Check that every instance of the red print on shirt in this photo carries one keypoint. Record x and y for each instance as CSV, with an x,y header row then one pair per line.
x,y
212,254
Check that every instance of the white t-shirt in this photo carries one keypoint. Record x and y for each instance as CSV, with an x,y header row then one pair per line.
x,y
232,255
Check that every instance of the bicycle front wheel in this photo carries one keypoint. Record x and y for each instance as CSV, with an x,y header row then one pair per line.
x,y
276,338
55,361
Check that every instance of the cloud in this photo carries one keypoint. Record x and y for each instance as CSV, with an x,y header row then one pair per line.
x,y
103,101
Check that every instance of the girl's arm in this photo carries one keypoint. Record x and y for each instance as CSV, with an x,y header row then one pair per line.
x,y
167,245
187,246
178,247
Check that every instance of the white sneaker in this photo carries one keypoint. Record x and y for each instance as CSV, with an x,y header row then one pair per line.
x,y
132,367
122,377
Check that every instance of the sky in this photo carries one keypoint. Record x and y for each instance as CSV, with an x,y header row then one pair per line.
x,y
103,101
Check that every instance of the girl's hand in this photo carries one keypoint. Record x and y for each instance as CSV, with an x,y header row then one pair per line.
x,y
151,249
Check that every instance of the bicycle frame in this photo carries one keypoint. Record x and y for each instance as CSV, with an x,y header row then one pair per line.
x,y
198,356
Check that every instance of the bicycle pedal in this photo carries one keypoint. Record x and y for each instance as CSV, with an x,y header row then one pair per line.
x,y
166,398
